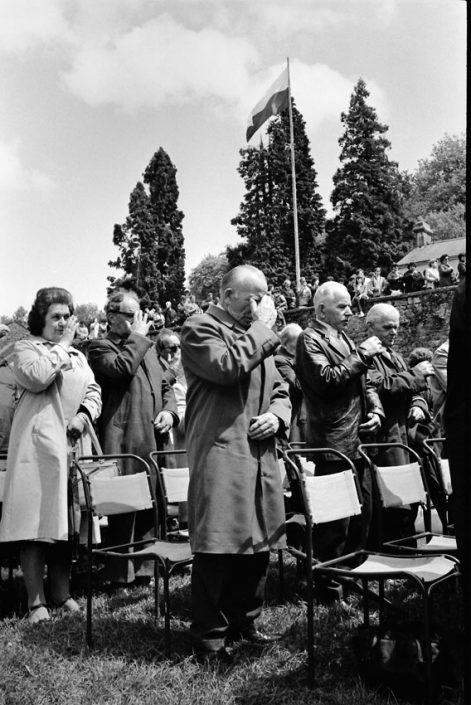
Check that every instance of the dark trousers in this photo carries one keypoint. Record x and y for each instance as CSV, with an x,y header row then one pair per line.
x,y
336,538
227,594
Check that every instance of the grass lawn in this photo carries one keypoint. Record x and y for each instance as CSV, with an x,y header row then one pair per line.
x,y
50,663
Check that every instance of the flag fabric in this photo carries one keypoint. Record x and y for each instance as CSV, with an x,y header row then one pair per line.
x,y
272,103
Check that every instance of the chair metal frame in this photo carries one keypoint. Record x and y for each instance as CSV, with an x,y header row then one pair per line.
x,y
355,566
436,459
161,490
427,541
166,555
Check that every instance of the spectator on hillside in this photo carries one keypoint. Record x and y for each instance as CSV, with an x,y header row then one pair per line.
x,y
304,293
377,284
395,282
431,275
170,315
447,275
413,279
461,269
360,294
289,293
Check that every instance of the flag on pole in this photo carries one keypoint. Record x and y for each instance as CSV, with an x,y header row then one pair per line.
x,y
272,103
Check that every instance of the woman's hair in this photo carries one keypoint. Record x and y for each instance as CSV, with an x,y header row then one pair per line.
x,y
419,355
45,298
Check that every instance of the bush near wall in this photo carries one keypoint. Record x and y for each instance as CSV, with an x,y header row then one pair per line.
x,y
424,318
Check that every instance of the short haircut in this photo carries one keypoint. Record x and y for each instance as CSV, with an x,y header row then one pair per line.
x,y
443,257
45,298
289,332
115,299
419,355
164,335
237,275
327,291
377,311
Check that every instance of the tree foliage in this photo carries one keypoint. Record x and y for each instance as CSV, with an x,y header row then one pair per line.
x,y
265,219
206,276
437,189
369,228
88,312
150,242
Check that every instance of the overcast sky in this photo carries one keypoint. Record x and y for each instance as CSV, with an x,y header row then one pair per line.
x,y
92,88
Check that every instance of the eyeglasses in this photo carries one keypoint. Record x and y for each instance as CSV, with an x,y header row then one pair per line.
x,y
125,314
172,348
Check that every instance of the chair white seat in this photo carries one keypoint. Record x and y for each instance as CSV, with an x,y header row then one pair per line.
x,y
427,568
120,495
321,488
168,550
400,485
176,484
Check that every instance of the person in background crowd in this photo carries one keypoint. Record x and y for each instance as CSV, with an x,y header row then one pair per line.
x,y
461,269
360,293
102,328
377,284
170,315
81,333
314,286
94,328
139,409
431,275
191,307
284,361
413,280
58,396
289,293
399,391
342,405
208,300
445,271
236,406
438,384
394,280
159,320
304,293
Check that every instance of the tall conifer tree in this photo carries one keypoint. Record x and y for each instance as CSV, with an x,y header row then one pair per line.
x,y
150,242
265,219
369,228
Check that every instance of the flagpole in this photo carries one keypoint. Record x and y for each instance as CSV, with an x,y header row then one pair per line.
x,y
293,178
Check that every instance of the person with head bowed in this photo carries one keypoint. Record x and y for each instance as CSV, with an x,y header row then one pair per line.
x,y
237,405
343,408
139,409
58,396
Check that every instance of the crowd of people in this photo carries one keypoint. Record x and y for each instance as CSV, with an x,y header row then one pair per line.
x,y
229,388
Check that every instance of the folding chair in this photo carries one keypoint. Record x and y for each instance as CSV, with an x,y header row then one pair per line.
x,y
435,448
6,551
398,486
326,498
172,490
120,495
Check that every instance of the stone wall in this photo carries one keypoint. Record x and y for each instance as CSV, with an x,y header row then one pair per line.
x,y
424,318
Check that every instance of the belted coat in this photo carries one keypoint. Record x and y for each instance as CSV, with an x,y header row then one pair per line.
x,y
235,499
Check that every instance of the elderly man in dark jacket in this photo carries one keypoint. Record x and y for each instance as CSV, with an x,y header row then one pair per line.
x,y
139,408
341,405
399,390
236,406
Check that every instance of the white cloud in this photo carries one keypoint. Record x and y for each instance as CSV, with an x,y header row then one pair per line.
x,y
16,177
161,61
27,23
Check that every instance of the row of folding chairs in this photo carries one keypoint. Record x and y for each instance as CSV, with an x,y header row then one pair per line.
x,y
425,560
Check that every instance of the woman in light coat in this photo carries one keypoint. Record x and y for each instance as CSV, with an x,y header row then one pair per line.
x,y
57,395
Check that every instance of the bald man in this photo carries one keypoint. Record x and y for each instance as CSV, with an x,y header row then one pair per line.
x,y
399,390
236,406
342,405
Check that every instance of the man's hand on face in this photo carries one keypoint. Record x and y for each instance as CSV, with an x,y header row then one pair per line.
x,y
263,426
264,310
140,323
371,346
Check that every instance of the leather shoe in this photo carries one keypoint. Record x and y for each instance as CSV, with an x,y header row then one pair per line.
x,y
222,658
254,636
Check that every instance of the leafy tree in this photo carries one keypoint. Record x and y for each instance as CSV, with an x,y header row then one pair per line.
x,y
437,189
265,219
88,312
206,276
151,243
369,228
20,315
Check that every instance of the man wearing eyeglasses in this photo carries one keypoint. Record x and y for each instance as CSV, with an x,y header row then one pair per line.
x,y
139,408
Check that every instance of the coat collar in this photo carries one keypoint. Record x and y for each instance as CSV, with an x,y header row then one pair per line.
x,y
334,343
224,317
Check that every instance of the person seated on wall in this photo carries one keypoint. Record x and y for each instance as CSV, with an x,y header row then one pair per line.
x,y
289,293
446,272
360,294
431,275
304,293
377,284
395,282
413,279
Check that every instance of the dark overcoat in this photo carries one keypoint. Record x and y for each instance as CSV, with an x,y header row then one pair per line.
x,y
332,373
399,390
235,495
134,391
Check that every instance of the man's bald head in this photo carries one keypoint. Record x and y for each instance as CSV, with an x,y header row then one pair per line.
x,y
239,288
289,335
379,311
332,305
382,320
